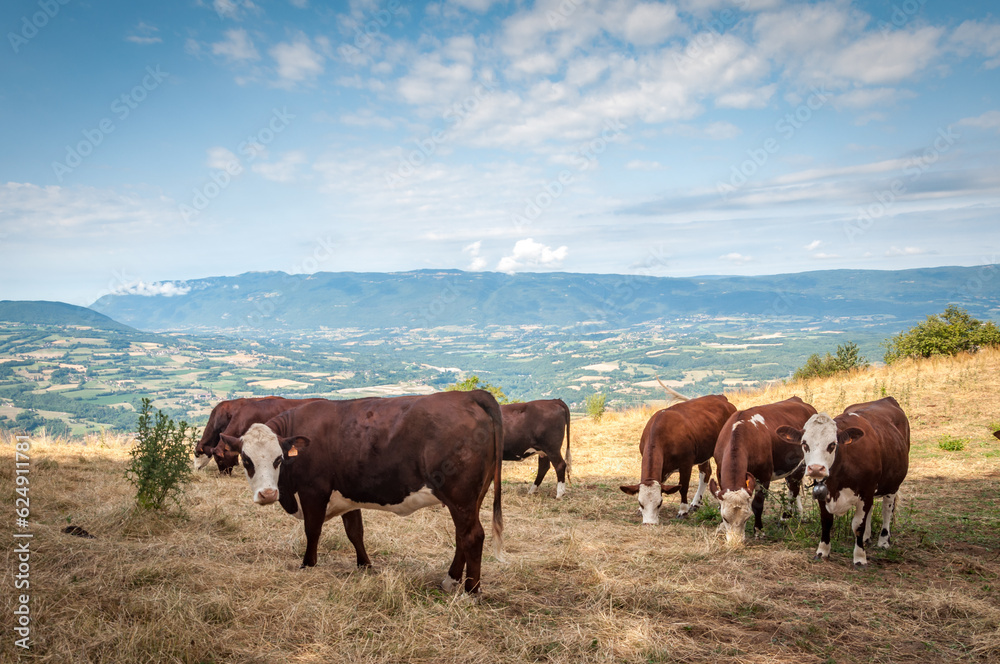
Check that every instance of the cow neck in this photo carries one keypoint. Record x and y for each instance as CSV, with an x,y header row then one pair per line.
x,y
652,461
733,469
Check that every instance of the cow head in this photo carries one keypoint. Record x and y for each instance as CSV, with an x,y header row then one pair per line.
x,y
650,498
263,454
819,438
734,505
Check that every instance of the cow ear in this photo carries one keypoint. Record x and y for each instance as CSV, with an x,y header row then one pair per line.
x,y
790,434
714,488
667,490
227,442
849,435
290,447
751,484
630,489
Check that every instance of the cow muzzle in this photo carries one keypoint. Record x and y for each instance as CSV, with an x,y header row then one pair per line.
x,y
266,496
817,471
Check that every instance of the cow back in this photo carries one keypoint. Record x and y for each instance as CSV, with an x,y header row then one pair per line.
x,y
882,455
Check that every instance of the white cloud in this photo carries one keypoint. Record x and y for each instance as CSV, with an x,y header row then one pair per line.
x,y
866,97
529,254
236,47
144,34
233,9
735,257
651,23
478,262
640,165
222,159
979,38
296,60
825,256
905,251
284,170
164,288
814,245
988,120
896,56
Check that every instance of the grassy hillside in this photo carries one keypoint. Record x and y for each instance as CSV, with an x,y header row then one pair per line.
x,y
583,581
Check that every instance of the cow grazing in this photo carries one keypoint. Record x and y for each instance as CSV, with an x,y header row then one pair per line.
x,y
748,455
678,438
233,418
537,427
399,454
861,454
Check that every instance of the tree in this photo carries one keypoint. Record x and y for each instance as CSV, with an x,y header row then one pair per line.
x,y
848,357
473,383
949,333
161,459
595,404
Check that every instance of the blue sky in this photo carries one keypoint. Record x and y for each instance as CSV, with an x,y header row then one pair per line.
x,y
149,142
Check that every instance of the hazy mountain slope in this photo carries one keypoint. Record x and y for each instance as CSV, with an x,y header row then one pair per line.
x,y
56,313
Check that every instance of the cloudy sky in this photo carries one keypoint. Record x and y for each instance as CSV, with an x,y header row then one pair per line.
x,y
148,142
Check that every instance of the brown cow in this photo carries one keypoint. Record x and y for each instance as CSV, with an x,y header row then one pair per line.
x,y
233,418
678,438
749,453
996,434
537,427
397,455
855,457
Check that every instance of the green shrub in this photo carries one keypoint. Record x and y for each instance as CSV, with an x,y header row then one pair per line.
x,y
594,405
950,333
473,383
848,357
951,444
161,459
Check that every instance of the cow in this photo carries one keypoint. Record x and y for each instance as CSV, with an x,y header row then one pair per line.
x,y
996,434
748,455
396,454
234,417
678,438
536,427
861,454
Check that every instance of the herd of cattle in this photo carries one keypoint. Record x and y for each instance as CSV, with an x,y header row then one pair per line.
x,y
320,459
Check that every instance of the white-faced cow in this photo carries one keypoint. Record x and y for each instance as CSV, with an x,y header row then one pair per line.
x,y
397,455
678,438
537,427
233,418
855,457
749,454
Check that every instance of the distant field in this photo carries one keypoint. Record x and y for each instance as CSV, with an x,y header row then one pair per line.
x,y
583,581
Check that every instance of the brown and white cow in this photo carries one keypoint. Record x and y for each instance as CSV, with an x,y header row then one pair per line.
x,y
234,417
861,454
536,427
678,438
399,454
749,454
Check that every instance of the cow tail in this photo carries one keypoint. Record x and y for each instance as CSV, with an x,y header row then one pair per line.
x,y
569,458
497,507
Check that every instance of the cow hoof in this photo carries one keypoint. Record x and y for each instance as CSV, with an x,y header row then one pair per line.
x,y
758,534
860,565
449,585
819,556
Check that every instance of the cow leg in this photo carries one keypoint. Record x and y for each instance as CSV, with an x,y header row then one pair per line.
x,y
355,530
313,514
758,511
704,473
859,526
559,464
888,512
794,485
469,537
684,479
543,467
826,522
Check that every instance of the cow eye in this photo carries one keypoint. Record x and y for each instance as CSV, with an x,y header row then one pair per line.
x,y
277,461
248,464
832,447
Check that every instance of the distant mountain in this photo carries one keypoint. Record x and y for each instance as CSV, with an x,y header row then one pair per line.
x,y
271,302
39,312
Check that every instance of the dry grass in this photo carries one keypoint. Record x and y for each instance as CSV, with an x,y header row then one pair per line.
x,y
583,582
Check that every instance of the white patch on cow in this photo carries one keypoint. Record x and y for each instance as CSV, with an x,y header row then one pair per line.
x,y
818,434
530,450
702,485
533,488
888,509
736,424
261,446
560,489
449,584
684,508
650,500
757,419
735,509
799,506
339,505
844,502
859,555
823,550
201,460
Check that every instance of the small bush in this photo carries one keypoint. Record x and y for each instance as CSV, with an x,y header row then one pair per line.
x,y
848,357
950,333
161,459
951,444
473,383
594,406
